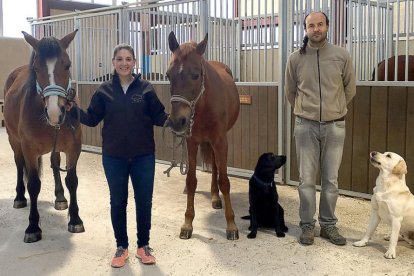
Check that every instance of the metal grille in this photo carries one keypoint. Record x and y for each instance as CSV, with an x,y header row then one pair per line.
x,y
244,34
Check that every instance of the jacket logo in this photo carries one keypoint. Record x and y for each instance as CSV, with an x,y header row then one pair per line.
x,y
137,98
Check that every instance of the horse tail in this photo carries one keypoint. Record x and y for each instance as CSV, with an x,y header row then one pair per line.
x,y
206,153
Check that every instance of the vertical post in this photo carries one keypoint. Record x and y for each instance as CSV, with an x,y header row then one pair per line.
x,y
203,29
78,52
285,48
1,18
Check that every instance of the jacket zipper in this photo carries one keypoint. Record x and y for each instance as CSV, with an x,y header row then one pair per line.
x,y
320,89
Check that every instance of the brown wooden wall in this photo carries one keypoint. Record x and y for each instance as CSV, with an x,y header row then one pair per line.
x,y
379,119
255,130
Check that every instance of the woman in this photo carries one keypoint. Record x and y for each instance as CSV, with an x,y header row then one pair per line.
x,y
129,109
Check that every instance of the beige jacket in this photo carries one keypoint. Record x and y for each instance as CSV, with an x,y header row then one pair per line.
x,y
320,83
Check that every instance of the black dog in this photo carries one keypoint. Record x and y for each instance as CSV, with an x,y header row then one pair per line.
x,y
265,210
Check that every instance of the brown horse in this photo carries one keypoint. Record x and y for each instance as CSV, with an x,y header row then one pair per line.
x,y
205,105
37,97
391,69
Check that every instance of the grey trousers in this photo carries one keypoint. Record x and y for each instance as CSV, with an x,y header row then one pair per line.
x,y
319,147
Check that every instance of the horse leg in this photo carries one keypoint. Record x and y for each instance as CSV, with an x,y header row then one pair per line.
x,y
20,200
33,232
191,185
60,203
215,198
75,224
220,151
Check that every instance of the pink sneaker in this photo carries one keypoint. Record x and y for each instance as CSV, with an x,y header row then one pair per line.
x,y
144,254
121,255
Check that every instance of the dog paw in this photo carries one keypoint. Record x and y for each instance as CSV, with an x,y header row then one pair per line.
x,y
285,229
251,235
390,254
280,234
360,243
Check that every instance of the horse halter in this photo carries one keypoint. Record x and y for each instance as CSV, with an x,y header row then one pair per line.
x,y
191,104
57,90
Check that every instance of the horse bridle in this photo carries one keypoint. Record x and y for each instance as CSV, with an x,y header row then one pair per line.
x,y
56,90
191,104
186,132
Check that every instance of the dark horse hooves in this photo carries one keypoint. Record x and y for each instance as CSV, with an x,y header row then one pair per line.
x,y
32,237
217,204
61,205
185,234
232,234
19,204
76,228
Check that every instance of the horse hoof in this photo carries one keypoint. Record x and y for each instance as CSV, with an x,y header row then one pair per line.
x,y
232,234
217,204
61,205
76,228
32,237
185,234
19,204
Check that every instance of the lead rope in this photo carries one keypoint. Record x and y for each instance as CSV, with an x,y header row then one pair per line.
x,y
183,163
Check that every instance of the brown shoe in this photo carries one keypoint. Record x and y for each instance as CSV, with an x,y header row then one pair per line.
x,y
331,233
121,255
308,235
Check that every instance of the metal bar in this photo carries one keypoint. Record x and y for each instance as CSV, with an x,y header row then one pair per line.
x,y
386,30
258,41
377,40
251,42
407,37
397,38
266,29
244,37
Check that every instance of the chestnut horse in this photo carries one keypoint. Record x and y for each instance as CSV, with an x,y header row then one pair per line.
x,y
391,69
37,97
204,106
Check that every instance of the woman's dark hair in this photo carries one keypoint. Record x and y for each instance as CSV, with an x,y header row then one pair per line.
x,y
123,46
302,50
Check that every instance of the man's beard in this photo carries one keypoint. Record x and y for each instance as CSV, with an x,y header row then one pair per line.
x,y
322,37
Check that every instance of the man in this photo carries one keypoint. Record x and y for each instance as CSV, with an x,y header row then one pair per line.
x,y
320,82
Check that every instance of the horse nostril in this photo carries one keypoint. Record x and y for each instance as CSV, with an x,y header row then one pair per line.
x,y
182,122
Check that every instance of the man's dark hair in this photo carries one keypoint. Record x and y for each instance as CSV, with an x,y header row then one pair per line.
x,y
302,50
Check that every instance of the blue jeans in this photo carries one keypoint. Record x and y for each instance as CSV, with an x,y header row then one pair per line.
x,y
141,169
319,146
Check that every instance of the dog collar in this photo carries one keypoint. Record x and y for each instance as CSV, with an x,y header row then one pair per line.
x,y
270,184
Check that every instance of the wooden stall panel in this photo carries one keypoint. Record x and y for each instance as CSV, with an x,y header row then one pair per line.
x,y
360,141
409,137
272,119
90,135
377,129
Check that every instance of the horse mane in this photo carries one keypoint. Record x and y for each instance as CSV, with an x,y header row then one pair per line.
x,y
31,80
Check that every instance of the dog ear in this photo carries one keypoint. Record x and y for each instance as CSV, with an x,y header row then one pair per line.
x,y
400,168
